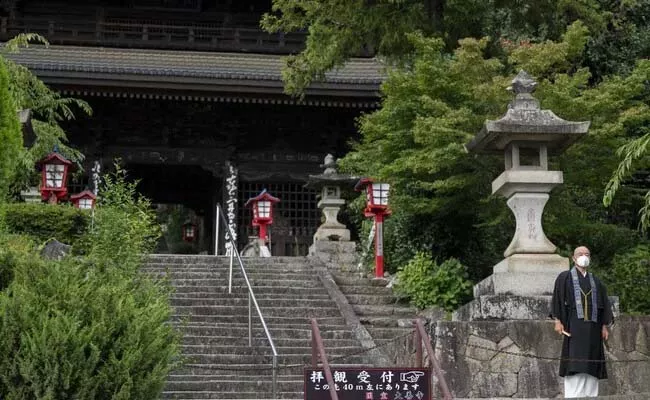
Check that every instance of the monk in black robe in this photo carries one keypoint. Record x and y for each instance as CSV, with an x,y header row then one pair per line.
x,y
582,311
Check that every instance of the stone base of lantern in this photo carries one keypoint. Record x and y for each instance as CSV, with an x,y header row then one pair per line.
x,y
340,256
255,248
504,307
520,287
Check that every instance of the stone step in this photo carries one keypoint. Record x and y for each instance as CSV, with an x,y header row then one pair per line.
x,y
224,274
205,340
355,280
240,294
280,283
248,370
365,290
244,350
259,290
284,331
379,321
385,310
383,333
284,360
210,259
242,310
371,299
272,321
237,302
233,386
207,395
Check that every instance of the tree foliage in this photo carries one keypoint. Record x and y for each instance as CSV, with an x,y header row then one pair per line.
x,y
338,30
48,108
11,137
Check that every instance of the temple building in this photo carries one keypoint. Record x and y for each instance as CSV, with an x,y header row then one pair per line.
x,y
188,94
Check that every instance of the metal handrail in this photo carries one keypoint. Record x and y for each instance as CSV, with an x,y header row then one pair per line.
x,y
421,334
318,349
251,296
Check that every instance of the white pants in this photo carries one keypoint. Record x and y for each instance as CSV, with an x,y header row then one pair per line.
x,y
580,385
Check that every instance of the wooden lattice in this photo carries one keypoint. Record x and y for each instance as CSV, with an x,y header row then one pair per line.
x,y
295,220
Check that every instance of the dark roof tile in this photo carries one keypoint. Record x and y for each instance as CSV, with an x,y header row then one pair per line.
x,y
182,64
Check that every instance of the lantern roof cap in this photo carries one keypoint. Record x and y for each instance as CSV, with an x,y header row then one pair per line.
x,y
525,121
86,193
264,195
362,183
330,176
54,155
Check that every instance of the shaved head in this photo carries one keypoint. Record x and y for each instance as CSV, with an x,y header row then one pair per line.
x,y
581,251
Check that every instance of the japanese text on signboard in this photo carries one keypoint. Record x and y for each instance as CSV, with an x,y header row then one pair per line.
x,y
370,384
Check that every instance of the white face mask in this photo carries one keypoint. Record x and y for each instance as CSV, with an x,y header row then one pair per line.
x,y
582,261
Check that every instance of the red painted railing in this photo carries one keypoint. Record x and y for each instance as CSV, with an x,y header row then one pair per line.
x,y
420,336
318,350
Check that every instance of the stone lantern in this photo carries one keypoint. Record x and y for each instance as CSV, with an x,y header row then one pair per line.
x,y
332,239
329,185
526,135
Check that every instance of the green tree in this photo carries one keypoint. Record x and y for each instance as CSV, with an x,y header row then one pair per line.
x,y
430,110
11,135
48,108
339,30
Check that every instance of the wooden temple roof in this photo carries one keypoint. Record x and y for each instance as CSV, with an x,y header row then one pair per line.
x,y
194,75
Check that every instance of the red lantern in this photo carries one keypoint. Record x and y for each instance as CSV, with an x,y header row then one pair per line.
x,y
84,200
54,177
189,232
377,207
262,205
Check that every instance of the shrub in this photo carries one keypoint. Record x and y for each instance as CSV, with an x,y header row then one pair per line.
x,y
44,221
629,278
125,227
90,326
76,330
13,250
428,284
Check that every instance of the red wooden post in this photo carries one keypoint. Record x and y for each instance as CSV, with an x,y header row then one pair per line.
x,y
418,348
379,245
262,233
323,358
442,383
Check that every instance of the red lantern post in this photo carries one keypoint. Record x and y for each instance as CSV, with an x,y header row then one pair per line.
x,y
377,207
84,200
54,177
262,206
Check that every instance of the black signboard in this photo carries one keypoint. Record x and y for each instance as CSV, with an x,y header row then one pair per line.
x,y
370,384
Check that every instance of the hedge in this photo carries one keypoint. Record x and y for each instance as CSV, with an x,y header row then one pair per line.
x,y
45,221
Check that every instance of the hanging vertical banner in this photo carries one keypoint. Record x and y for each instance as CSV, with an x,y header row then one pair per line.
x,y
370,384
96,176
232,183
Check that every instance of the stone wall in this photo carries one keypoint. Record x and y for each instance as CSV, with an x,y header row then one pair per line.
x,y
487,359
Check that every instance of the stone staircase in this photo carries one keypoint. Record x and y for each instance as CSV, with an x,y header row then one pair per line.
x,y
380,312
219,364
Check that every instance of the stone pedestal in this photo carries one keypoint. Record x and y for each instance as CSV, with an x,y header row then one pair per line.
x,y
341,256
255,248
331,229
519,288
527,192
31,196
